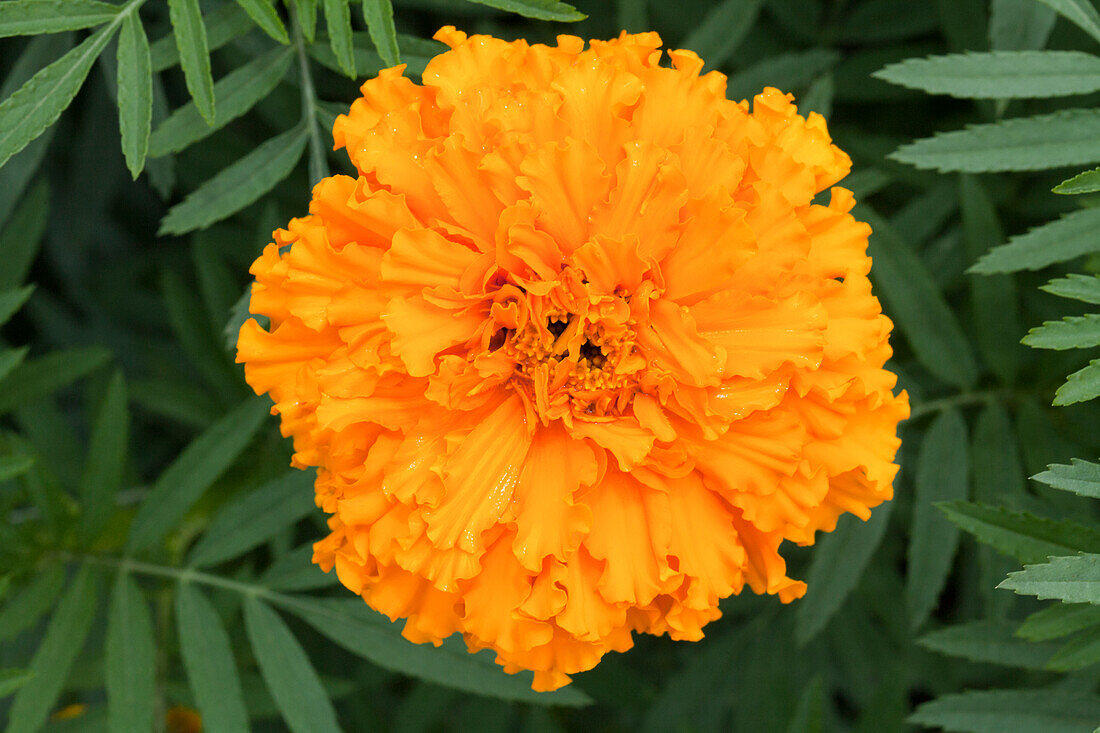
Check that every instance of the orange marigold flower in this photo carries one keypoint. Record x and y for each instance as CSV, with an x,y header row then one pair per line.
x,y
575,352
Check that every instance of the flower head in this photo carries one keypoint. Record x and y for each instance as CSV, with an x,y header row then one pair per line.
x,y
575,352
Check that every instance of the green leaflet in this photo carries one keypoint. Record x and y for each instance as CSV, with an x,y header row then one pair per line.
x,y
1073,579
135,93
130,659
103,468
1058,620
784,71
37,104
942,475
305,11
193,471
1019,25
1078,653
239,184
538,9
839,560
12,679
208,659
810,710
338,20
1072,332
287,671
264,15
295,571
20,238
723,30
32,17
45,375
1064,239
64,638
12,300
223,25
887,20
1020,711
236,93
1032,143
1022,535
1080,386
1081,477
992,642
633,16
1078,287
26,607
199,340
1079,12
1086,182
378,15
998,474
12,466
999,74
190,33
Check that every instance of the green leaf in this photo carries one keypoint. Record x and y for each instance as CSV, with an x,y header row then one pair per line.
x,y
1064,239
64,638
135,92
10,359
942,470
1078,287
378,15
338,20
991,642
809,712
264,15
1019,711
130,659
102,476
22,610
20,238
839,559
999,74
356,627
1073,579
33,17
12,679
238,185
1079,12
190,34
995,457
37,104
208,659
1058,620
918,308
1019,25
1072,332
306,13
1023,144
537,9
12,300
720,34
1078,653
255,518
1080,386
12,466
1081,477
196,336
632,16
287,671
194,470
785,71
1022,535
295,571
47,374
1087,182
887,20
226,23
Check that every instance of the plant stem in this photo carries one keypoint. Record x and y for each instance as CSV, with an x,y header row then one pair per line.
x,y
318,165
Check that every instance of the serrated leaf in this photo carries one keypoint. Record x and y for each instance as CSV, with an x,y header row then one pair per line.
x,y
130,659
942,474
1058,620
785,71
305,11
208,659
65,635
27,606
839,559
1023,144
226,23
338,21
264,15
1072,332
722,31
378,15
1064,239
236,93
45,375
999,74
1019,711
12,679
1081,477
238,185
102,476
918,307
356,627
255,518
12,466
12,300
1022,535
34,17
1079,287
1082,385
1077,653
1079,12
537,9
1074,579
286,669
37,104
190,33
192,472
135,93
991,642
1019,25
1086,182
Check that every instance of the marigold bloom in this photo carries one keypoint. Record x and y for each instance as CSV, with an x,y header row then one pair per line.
x,y
574,353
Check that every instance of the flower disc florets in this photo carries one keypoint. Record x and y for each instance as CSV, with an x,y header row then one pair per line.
x,y
575,352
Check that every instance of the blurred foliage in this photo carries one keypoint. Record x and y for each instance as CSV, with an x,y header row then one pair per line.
x,y
154,548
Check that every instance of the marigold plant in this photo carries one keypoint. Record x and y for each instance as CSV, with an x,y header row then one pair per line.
x,y
576,351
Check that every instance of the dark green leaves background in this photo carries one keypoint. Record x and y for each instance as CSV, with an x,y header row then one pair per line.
x,y
155,548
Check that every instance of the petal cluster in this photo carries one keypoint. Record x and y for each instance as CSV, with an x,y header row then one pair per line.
x,y
576,350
